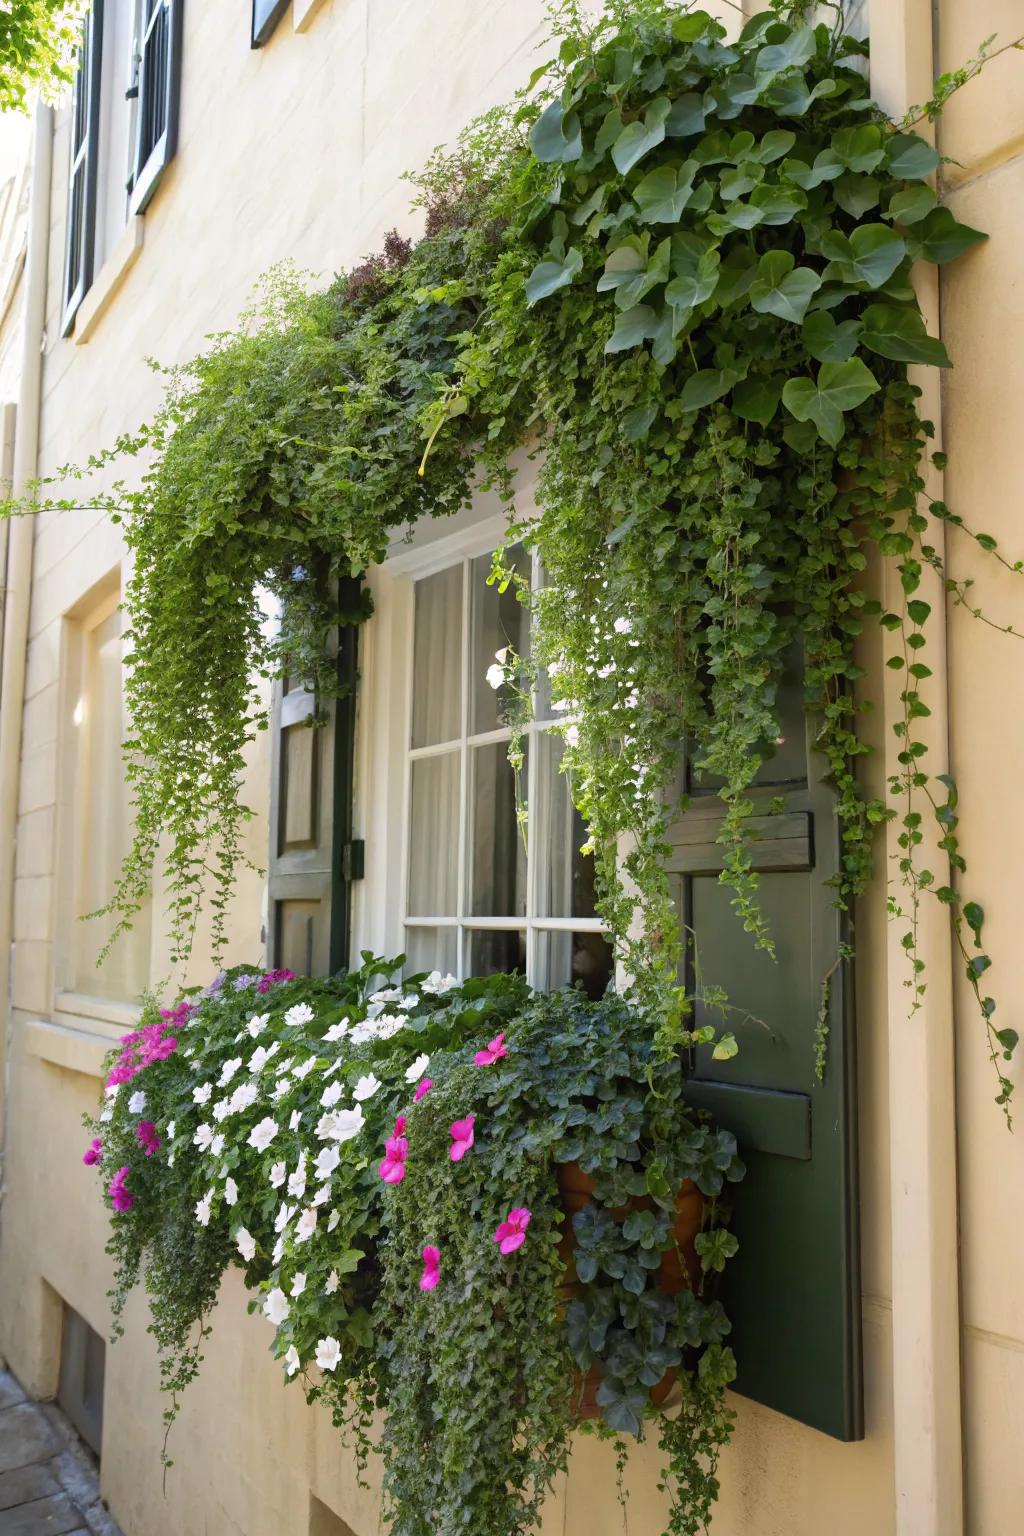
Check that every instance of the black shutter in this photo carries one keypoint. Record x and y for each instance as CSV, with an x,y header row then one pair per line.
x,y
157,88
85,132
793,1291
313,859
265,16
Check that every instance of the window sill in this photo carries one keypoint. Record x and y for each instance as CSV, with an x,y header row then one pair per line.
x,y
76,1050
81,1008
109,279
303,13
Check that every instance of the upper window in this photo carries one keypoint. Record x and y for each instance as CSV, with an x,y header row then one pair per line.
x,y
154,92
265,16
82,175
484,892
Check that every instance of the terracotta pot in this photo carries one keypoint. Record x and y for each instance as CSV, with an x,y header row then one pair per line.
x,y
678,1269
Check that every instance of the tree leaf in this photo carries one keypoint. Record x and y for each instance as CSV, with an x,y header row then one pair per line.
x,y
778,204
856,194
772,146
632,327
757,400
548,276
839,387
705,387
781,290
897,332
555,139
940,238
860,149
697,276
639,138
911,158
870,256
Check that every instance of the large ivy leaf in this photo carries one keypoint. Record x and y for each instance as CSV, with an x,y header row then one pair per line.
x,y
685,117
736,216
911,205
743,178
856,194
900,333
790,96
555,138
797,48
696,281
778,204
772,146
687,29
839,387
860,149
608,132
708,385
663,193
736,276
548,276
940,238
632,327
827,166
757,399
639,138
728,98
911,158
623,263
828,342
783,289
870,256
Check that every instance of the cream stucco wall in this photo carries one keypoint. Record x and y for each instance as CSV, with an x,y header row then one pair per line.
x,y
296,151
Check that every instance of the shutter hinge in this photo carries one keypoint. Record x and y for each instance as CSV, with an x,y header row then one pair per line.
x,y
353,859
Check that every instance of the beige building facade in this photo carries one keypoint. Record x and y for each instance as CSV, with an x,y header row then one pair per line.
x,y
295,151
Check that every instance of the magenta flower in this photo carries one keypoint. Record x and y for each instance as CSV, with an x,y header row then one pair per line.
x,y
93,1152
271,979
120,1199
422,1087
399,1129
431,1268
462,1138
149,1141
511,1233
392,1169
492,1052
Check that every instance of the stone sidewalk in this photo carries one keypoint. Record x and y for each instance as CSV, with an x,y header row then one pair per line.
x,y
48,1483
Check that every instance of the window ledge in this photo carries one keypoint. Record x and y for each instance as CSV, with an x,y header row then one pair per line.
x,y
303,12
109,279
76,1050
81,1008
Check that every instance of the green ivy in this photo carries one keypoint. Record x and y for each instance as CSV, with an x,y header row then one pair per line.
x,y
38,39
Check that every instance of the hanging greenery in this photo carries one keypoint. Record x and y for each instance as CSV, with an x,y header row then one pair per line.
x,y
678,271
383,1163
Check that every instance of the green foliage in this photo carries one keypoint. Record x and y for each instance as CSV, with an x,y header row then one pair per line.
x,y
478,1379
38,39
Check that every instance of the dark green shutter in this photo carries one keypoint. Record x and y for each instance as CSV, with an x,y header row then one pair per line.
x,y
313,859
265,16
793,1291
157,88
85,133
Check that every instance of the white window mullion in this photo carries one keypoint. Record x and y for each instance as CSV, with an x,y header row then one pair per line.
x,y
464,774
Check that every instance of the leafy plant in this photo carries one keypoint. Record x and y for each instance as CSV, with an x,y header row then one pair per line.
x,y
381,1161
38,39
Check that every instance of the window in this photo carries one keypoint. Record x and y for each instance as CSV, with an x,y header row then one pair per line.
x,y
95,811
265,16
155,90
483,893
85,126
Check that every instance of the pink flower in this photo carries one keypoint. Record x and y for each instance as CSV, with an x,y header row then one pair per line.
x,y
493,1051
422,1087
272,978
511,1233
118,1191
462,1138
93,1152
149,1141
431,1268
399,1129
392,1169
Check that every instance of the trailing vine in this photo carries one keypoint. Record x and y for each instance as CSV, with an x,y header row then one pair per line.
x,y
676,271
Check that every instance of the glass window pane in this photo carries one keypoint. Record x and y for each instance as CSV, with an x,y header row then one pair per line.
x,y
498,854
565,876
431,949
499,620
434,836
437,659
566,958
490,952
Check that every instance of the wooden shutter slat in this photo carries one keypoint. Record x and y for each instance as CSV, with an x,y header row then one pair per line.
x,y
775,843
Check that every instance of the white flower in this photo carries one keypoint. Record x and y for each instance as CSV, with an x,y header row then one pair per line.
x,y
297,1183
332,1283
283,1067
230,1192
283,1217
328,1353
306,1224
221,1110
275,1306
331,1095
340,1124
278,1174
217,1144
365,1088
108,1114
260,1056
322,1195
296,1120
257,1024
137,1103
278,1250
201,1095
171,1129
202,1137
304,1068
337,1031
436,984
414,1072
330,1071
282,1088
203,1209
263,1134
389,1024
112,1091
170,1160
495,674
623,627
332,1220
246,1244
298,1285
572,735
291,1360
408,1002
386,995
327,1159
228,1071
243,1097
299,1013
363,1032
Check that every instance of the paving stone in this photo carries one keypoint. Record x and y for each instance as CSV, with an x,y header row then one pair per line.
x,y
100,1521
25,1436
10,1392
76,1473
55,1516
25,1484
